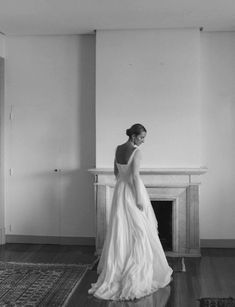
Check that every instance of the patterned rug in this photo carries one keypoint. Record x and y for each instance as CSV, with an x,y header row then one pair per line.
x,y
30,284
217,302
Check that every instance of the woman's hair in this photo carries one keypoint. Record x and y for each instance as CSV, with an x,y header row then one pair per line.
x,y
135,129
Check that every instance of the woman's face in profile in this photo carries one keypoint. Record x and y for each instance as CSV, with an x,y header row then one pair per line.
x,y
139,139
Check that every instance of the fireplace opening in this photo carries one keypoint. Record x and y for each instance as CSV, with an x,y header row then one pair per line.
x,y
163,213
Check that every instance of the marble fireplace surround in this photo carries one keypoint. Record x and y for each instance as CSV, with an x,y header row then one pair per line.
x,y
179,185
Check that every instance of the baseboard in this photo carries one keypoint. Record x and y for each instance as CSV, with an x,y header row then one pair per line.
x,y
50,240
90,241
217,243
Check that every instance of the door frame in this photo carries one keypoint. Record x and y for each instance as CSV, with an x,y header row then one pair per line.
x,y
2,165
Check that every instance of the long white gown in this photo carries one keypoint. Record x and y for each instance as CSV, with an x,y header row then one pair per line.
x,y
132,262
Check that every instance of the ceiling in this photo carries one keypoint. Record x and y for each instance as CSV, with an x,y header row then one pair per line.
x,y
45,17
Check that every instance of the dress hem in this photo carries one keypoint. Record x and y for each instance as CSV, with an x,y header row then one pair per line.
x,y
135,297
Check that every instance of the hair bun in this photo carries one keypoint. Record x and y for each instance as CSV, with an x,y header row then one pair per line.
x,y
128,132
135,129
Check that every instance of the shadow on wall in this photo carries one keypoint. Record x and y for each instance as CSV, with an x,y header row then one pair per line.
x,y
87,97
77,210
78,214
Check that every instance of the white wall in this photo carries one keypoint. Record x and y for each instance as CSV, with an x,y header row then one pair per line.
x,y
50,85
151,77
180,84
217,209
2,45
142,76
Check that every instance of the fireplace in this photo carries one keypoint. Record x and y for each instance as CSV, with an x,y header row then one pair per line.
x,y
164,216
176,188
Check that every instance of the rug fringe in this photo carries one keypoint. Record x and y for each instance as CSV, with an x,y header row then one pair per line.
x,y
74,289
46,264
94,263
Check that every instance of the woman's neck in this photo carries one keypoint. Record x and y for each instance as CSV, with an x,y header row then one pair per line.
x,y
130,143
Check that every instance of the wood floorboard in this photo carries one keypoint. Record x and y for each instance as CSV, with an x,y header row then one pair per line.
x,y
211,275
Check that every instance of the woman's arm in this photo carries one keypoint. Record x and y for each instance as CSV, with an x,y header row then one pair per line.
x,y
136,178
115,166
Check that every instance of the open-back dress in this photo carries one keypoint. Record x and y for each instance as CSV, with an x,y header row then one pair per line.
x,y
132,263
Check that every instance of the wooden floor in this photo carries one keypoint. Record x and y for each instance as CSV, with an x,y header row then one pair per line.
x,y
211,275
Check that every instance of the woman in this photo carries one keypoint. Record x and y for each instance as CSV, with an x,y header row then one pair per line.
x,y
132,262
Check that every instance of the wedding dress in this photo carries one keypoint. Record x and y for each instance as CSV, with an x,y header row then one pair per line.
x,y
132,262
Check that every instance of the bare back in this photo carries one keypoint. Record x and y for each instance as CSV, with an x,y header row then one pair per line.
x,y
123,153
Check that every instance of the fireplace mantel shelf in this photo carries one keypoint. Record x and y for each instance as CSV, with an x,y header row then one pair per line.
x,y
156,171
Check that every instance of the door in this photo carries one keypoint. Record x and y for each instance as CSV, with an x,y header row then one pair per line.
x,y
33,182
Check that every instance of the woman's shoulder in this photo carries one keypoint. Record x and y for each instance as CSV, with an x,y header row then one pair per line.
x,y
136,156
137,152
126,148
121,147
